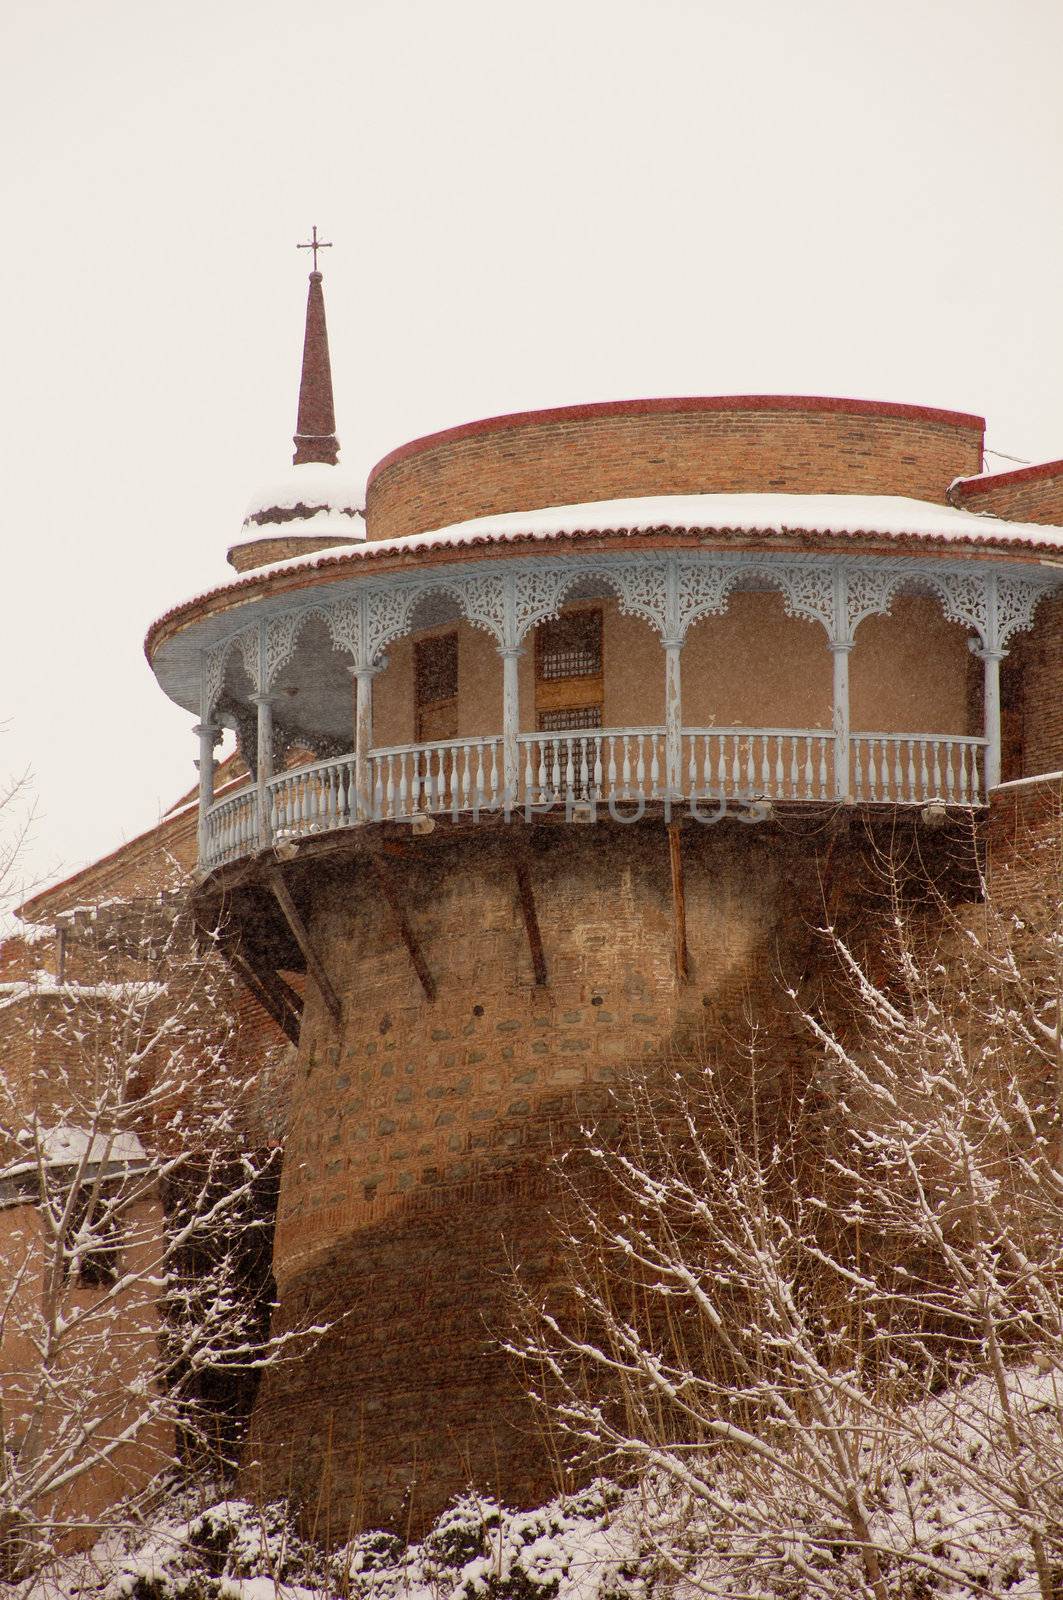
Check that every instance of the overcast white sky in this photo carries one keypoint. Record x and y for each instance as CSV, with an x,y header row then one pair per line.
x,y
532,204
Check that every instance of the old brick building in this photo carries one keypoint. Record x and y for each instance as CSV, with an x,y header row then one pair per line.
x,y
108,1035
556,735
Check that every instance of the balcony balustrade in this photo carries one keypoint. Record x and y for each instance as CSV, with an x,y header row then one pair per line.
x,y
912,769
574,770
269,661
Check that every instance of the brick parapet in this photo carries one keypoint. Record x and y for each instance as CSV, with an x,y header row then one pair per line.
x,y
757,444
1028,494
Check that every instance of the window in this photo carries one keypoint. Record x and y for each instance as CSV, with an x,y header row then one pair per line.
x,y
569,647
568,718
568,671
435,670
97,1263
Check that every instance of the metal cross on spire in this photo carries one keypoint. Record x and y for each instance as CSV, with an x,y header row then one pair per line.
x,y
315,244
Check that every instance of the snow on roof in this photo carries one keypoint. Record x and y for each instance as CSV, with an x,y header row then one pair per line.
x,y
325,523
313,485
909,522
1023,472
64,1146
851,515
30,932
71,1147
44,985
892,515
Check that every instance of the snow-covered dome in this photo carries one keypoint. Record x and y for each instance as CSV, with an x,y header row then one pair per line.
x,y
312,498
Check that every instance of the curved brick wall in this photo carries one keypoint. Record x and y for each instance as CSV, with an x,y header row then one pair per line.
x,y
1042,704
417,1156
732,445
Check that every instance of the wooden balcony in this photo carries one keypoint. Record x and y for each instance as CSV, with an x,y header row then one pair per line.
x,y
614,771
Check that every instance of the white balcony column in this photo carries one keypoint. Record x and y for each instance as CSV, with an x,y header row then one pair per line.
x,y
363,738
840,719
207,734
673,631
990,654
991,660
264,703
673,717
510,722
841,643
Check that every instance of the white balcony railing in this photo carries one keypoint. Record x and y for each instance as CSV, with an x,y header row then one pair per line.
x,y
314,799
768,763
232,828
452,775
559,768
458,777
912,768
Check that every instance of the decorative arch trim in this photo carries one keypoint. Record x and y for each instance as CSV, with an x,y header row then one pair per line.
x,y
669,591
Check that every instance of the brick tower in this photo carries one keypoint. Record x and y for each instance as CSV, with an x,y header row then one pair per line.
x,y
556,733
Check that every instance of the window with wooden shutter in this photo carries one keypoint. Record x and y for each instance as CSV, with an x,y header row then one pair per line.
x,y
569,680
574,717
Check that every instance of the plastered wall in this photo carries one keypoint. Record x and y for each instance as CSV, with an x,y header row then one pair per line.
x,y
752,667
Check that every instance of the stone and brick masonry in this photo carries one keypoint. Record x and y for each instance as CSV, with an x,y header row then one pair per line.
x,y
417,1171
728,445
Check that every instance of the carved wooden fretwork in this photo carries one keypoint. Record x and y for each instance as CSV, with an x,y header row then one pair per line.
x,y
213,672
1017,601
703,589
344,622
807,592
216,660
869,592
964,599
247,642
282,634
483,603
669,591
642,588
388,613
538,593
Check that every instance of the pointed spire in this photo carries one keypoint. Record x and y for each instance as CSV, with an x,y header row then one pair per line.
x,y
315,435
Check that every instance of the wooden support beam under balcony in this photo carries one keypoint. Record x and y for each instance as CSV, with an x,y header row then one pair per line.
x,y
679,904
301,935
531,918
276,997
406,933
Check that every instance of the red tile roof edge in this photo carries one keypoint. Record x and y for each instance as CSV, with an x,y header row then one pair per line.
x,y
362,552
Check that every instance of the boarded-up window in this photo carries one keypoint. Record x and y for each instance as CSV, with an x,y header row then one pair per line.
x,y
435,665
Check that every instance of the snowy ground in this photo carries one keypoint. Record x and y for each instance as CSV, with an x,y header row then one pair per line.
x,y
939,1497
580,1548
